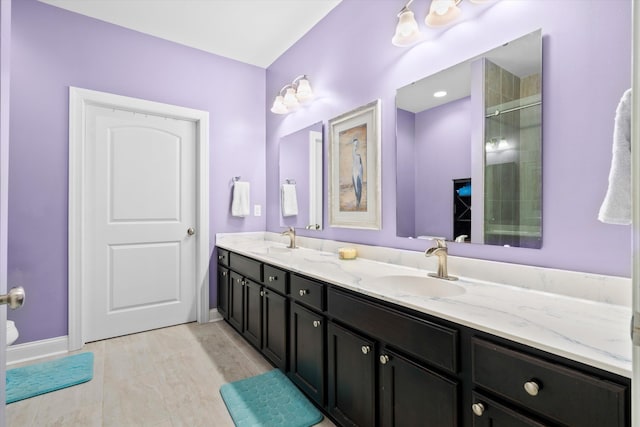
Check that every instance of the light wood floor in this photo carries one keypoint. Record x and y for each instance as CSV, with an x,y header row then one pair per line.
x,y
167,377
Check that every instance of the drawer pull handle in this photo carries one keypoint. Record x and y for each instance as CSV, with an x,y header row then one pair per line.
x,y
316,323
384,359
366,349
303,292
532,388
273,278
478,408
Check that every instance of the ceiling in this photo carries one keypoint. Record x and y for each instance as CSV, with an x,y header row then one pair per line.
x,y
255,32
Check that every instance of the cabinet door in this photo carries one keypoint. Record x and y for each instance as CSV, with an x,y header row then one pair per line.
x,y
308,352
253,313
351,377
236,301
412,395
488,413
223,292
275,330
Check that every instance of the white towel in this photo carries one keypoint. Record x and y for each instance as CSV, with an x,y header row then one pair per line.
x,y
289,200
616,207
240,203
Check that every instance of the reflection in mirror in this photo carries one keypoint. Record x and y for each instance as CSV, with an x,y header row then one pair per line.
x,y
469,149
301,178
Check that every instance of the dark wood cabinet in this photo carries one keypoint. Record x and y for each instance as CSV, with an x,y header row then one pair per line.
x,y
275,328
371,363
413,395
351,377
252,330
236,301
223,292
307,355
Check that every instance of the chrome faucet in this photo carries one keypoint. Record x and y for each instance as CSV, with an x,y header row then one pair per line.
x,y
291,232
440,250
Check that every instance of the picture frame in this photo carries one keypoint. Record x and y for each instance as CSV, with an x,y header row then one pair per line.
x,y
354,168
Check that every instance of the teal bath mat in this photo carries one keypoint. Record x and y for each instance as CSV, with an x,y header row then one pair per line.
x,y
41,378
268,400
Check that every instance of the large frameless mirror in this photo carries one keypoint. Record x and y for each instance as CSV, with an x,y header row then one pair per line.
x,y
469,149
300,174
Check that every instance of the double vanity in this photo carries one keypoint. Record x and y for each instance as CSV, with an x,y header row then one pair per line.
x,y
375,341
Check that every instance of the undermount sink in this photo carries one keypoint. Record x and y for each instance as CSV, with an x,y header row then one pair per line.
x,y
273,250
414,285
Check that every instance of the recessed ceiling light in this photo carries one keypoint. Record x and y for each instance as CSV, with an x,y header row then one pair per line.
x,y
440,94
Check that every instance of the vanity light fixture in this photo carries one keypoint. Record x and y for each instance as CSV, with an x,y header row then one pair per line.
x,y
441,13
291,96
407,31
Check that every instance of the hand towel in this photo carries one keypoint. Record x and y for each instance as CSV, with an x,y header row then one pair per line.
x,y
289,200
616,207
240,203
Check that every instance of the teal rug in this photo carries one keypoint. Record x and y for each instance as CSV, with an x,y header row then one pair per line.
x,y
268,400
41,378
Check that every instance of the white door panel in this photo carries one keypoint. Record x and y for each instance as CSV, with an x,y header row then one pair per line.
x,y
141,199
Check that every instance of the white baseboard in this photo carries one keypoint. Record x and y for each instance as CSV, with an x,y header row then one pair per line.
x,y
37,349
214,316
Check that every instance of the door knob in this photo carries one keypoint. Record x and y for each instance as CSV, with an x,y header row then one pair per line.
x,y
191,231
14,299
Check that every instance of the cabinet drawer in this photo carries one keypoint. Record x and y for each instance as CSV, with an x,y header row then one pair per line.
x,y
307,292
223,257
565,395
425,340
492,414
246,266
275,279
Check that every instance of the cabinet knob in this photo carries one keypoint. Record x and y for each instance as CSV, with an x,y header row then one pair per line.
x,y
303,292
366,349
238,280
224,274
220,257
316,323
273,278
478,408
261,293
384,359
532,387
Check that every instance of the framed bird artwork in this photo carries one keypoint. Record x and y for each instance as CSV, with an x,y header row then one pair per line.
x,y
354,168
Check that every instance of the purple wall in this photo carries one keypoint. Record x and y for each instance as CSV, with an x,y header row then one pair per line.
x,y
53,49
586,62
406,179
442,153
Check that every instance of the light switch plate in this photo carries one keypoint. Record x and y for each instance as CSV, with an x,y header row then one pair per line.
x,y
257,210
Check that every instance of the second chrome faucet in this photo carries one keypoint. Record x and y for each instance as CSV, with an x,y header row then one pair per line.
x,y
440,250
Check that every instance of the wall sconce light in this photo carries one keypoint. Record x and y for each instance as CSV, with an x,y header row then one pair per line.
x,y
441,13
291,96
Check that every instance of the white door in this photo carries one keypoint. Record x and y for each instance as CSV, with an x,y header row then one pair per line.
x,y
140,210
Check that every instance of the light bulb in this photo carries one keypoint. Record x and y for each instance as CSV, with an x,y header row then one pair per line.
x,y
278,106
290,101
407,31
304,92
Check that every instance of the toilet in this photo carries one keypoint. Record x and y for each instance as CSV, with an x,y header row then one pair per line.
x,y
12,332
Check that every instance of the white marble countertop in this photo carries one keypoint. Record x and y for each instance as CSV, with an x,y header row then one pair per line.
x,y
591,332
